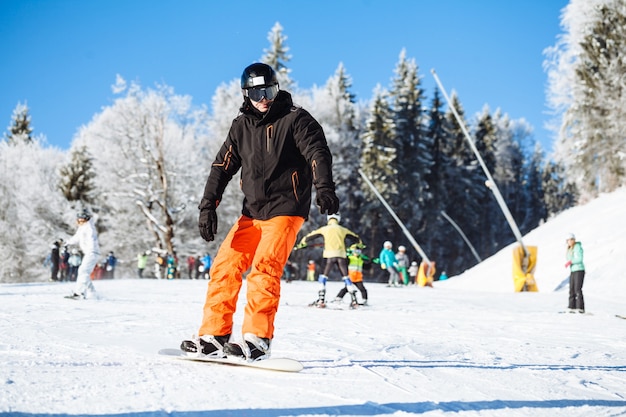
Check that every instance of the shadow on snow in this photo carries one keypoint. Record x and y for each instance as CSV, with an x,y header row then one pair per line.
x,y
367,409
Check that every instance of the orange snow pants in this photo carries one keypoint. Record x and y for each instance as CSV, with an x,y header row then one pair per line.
x,y
263,246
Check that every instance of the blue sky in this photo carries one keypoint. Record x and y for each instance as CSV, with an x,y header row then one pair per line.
x,y
62,56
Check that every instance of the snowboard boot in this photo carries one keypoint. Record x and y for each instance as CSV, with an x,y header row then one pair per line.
x,y
253,348
206,345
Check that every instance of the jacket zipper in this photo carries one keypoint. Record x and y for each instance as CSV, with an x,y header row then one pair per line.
x,y
269,133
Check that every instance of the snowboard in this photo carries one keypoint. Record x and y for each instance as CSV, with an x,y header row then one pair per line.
x,y
619,316
270,364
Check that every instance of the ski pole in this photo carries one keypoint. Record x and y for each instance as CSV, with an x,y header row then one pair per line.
x,y
395,217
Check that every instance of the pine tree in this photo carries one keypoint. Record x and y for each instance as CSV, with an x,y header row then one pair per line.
x,y
277,56
378,156
439,240
602,108
465,190
413,149
586,71
491,220
337,115
76,178
20,130
535,209
509,171
559,194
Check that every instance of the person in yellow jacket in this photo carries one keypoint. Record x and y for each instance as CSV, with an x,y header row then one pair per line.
x,y
334,253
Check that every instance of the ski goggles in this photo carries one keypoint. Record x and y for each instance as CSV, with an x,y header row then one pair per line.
x,y
257,93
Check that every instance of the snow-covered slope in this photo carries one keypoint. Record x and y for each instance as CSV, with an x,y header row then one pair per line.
x,y
468,347
601,227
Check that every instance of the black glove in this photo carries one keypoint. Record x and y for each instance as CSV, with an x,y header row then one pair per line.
x,y
208,224
327,200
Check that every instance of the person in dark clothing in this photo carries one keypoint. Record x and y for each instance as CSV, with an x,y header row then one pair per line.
x,y
282,152
55,260
110,264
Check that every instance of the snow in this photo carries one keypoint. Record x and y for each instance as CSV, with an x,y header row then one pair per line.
x,y
468,347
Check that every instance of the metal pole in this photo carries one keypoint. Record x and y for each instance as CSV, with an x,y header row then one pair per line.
x,y
393,214
490,183
458,229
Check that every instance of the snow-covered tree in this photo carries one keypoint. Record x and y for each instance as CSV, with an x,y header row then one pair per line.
x,y
77,178
509,170
378,156
535,208
465,191
586,89
20,130
559,194
149,153
277,56
439,239
413,147
334,108
33,213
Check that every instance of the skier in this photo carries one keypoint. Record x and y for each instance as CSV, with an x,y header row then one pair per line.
x,y
86,238
334,253
574,262
282,152
356,259
388,262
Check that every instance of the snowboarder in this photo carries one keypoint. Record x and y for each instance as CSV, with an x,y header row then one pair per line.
x,y
574,256
335,237
86,238
282,152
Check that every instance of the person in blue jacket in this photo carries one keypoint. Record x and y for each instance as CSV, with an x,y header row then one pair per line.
x,y
388,262
574,262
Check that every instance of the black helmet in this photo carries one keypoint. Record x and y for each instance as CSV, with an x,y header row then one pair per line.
x,y
258,75
83,214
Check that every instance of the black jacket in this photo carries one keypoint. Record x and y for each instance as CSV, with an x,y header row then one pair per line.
x,y
281,155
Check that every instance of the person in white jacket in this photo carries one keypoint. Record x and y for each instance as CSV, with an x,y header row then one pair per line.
x,y
86,238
